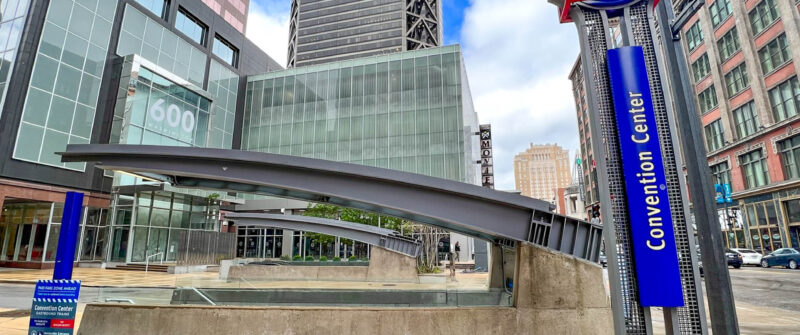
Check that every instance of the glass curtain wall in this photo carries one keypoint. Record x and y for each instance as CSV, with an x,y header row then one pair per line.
x,y
405,111
65,83
155,219
29,232
259,242
13,20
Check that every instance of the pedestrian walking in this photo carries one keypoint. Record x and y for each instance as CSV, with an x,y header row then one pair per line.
x,y
458,252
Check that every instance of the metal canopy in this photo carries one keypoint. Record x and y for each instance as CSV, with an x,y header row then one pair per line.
x,y
496,216
386,238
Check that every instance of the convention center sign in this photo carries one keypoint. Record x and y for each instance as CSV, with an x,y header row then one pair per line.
x,y
54,305
654,251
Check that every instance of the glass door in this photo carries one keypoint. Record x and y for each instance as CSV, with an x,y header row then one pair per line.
x,y
157,244
119,246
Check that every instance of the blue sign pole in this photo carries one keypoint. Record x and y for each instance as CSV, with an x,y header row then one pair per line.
x,y
68,237
650,216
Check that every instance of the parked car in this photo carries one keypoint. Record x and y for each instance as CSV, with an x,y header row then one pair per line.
x,y
788,257
734,258
749,256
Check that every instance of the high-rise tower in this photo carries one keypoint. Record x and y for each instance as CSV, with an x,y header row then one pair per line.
x,y
325,31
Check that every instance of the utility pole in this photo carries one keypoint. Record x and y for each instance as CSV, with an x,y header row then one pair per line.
x,y
718,282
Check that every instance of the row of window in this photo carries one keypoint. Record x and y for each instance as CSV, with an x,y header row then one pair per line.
x,y
753,165
762,16
784,103
194,29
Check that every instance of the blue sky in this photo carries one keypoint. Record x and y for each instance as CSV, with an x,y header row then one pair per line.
x,y
517,57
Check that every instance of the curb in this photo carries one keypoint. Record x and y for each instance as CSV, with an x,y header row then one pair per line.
x,y
93,286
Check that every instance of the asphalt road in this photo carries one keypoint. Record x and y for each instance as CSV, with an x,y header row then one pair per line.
x,y
773,287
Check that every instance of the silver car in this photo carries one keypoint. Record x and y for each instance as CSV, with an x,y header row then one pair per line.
x,y
749,256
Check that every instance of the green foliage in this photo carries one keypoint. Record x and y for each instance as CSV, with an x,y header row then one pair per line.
x,y
351,258
356,216
337,259
323,259
426,269
297,257
286,258
309,258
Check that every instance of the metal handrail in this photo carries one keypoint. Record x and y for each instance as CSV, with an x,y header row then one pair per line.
x,y
203,296
147,260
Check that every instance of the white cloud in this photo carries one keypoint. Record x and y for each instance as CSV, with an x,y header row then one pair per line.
x,y
518,58
268,27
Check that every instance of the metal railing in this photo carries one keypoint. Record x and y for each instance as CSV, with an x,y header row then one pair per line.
x,y
147,260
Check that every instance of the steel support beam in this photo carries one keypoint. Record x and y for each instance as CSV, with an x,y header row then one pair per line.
x,y
495,216
385,238
721,305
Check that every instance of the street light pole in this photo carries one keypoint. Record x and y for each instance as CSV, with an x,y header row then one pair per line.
x,y
718,283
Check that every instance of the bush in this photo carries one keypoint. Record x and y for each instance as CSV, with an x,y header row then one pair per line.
x,y
323,259
337,259
285,258
297,258
309,258
437,270
351,258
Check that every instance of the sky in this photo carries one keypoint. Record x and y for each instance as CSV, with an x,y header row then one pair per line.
x,y
517,57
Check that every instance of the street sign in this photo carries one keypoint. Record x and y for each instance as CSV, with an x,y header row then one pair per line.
x,y
649,209
54,305
487,165
723,193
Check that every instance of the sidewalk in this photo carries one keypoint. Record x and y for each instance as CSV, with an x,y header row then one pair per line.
x,y
16,321
108,278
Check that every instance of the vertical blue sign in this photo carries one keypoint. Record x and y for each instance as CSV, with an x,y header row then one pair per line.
x,y
68,237
655,255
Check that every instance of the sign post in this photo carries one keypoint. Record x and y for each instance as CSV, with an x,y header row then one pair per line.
x,y
56,301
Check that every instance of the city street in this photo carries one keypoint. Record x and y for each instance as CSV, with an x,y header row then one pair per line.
x,y
773,287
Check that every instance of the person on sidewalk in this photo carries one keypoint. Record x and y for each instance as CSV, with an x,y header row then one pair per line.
x,y
453,265
458,252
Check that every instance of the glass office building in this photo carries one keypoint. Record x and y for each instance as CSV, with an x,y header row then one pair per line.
x,y
112,71
409,111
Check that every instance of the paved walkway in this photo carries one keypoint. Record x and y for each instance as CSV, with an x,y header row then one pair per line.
x,y
111,278
15,321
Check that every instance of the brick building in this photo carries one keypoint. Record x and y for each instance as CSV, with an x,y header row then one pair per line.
x,y
746,85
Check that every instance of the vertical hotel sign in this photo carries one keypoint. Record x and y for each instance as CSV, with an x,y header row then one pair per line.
x,y
487,165
650,218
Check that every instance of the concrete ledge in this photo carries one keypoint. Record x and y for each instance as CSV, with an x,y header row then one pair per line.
x,y
384,266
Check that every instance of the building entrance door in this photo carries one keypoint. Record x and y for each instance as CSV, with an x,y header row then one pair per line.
x,y
119,246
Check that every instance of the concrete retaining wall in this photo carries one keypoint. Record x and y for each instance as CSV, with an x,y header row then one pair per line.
x,y
554,294
384,266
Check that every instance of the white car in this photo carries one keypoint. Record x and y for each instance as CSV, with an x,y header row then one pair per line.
x,y
749,256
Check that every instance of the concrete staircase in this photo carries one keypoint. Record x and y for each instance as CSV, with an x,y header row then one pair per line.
x,y
141,267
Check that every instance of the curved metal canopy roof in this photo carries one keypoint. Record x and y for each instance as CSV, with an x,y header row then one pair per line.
x,y
472,210
381,237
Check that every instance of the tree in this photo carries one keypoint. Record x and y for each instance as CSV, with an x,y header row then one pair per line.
x,y
427,262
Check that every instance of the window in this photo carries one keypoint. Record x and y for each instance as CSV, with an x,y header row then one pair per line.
x,y
158,7
729,44
708,99
784,99
701,68
746,119
763,15
790,157
754,169
191,27
774,54
736,80
720,10
721,173
714,137
694,36
225,51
